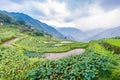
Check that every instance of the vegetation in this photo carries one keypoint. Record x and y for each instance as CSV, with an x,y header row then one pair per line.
x,y
23,61
114,42
36,46
97,46
88,66
112,45
5,18
13,65
7,32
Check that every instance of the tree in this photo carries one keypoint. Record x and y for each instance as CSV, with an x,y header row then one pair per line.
x,y
5,18
21,22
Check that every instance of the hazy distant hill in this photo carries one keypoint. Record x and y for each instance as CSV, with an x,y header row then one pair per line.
x,y
91,34
69,32
112,32
34,23
74,33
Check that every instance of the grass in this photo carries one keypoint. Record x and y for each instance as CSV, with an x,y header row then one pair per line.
x,y
96,47
36,46
99,48
115,42
87,66
14,64
17,61
6,33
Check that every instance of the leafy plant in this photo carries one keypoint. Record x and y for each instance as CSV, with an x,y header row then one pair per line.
x,y
85,67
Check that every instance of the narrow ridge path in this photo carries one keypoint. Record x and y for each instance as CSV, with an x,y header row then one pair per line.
x,y
9,43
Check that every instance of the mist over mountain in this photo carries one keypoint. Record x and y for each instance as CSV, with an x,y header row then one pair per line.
x,y
69,33
75,33
108,33
94,34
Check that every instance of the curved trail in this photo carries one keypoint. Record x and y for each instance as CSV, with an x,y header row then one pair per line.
x,y
51,56
9,43
54,56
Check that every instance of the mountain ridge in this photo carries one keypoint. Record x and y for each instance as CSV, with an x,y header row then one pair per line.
x,y
108,33
94,34
34,23
74,33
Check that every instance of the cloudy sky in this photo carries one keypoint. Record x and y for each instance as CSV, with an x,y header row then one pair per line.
x,y
82,14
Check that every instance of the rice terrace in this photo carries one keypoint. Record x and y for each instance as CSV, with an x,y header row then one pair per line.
x,y
59,40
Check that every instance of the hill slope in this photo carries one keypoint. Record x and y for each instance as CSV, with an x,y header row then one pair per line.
x,y
34,23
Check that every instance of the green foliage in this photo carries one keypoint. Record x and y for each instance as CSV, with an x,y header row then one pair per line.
x,y
36,33
32,54
5,18
114,42
112,45
13,65
96,47
7,32
21,22
113,48
116,74
79,67
36,46
97,63
99,48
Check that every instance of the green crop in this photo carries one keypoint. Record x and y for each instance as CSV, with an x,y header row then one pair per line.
x,y
114,42
35,46
80,67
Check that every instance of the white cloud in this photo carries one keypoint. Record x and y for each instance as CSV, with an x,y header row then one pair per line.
x,y
97,18
58,14
55,12
10,6
103,20
95,10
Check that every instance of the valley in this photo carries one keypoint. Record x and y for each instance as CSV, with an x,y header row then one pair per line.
x,y
29,53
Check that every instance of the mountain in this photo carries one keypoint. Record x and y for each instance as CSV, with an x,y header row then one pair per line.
x,y
72,33
69,32
76,34
93,32
34,23
112,32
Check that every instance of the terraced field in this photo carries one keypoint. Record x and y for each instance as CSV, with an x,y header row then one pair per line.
x,y
37,46
114,42
7,33
98,47
22,58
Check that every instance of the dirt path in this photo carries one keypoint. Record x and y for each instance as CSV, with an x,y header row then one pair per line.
x,y
51,56
9,43
54,56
